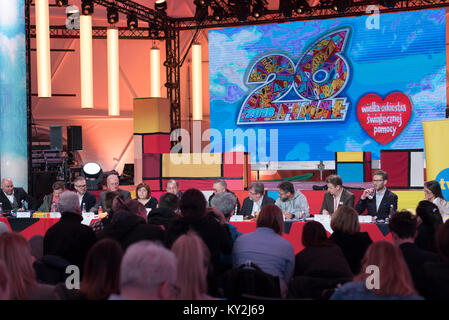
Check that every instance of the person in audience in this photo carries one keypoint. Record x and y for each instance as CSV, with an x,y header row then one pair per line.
x,y
292,203
346,234
4,282
379,201
37,246
433,193
436,274
143,195
429,218
16,254
320,266
221,186
225,203
172,186
256,200
68,238
393,280
403,227
265,247
101,276
109,197
148,272
165,212
112,184
193,262
14,198
129,224
336,196
50,202
86,198
3,228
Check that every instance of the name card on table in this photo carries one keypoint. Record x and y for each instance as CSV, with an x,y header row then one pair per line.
x,y
365,219
55,215
23,214
236,217
322,218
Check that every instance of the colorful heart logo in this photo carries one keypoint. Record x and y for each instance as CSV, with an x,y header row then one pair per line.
x,y
384,119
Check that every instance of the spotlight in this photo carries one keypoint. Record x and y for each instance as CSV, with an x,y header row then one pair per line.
x,y
201,14
302,7
62,3
201,3
341,6
154,29
390,4
87,7
286,7
93,174
241,9
132,21
112,15
161,6
258,8
218,13
170,85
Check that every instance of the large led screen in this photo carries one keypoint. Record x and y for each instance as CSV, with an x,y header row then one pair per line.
x,y
348,84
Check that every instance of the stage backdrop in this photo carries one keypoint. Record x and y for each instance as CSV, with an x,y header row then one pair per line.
x,y
332,85
13,98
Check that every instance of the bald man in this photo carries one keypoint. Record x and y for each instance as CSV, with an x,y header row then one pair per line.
x,y
11,198
112,184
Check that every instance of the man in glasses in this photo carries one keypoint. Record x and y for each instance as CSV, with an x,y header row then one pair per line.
x,y
378,201
86,198
256,200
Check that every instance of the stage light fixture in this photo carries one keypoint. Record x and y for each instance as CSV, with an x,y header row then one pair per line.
x,y
132,21
93,174
170,85
241,9
258,8
302,7
201,14
218,13
390,4
112,15
286,7
161,6
341,6
61,3
87,7
201,3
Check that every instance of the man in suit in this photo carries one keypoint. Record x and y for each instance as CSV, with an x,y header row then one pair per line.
x,y
256,200
112,183
85,197
378,201
220,186
14,198
336,196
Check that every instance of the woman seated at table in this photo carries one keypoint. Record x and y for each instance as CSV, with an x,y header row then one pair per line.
x,y
143,195
432,192
50,202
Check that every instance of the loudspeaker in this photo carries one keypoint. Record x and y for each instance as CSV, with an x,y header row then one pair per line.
x,y
56,138
74,138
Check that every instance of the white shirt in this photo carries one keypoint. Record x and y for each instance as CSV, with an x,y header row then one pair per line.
x,y
257,206
338,200
443,206
80,198
10,197
379,197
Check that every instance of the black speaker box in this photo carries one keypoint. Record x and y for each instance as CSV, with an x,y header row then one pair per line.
x,y
56,138
74,138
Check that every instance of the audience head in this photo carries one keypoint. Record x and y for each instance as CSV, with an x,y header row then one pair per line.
x,y
219,186
432,190
225,202
442,240
286,190
15,253
172,186
256,191
346,220
143,191
109,199
403,225
193,262
101,275
4,282
271,217
395,278
3,228
334,184
7,186
69,202
380,180
314,235
131,206
193,203
168,201
112,182
428,213
148,271
80,185
58,188
37,246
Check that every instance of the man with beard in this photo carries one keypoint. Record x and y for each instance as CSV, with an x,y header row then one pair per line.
x,y
292,203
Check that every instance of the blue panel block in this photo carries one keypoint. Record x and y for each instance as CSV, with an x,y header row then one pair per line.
x,y
273,194
350,172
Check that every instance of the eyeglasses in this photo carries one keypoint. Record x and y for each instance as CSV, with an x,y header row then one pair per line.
x,y
81,186
378,180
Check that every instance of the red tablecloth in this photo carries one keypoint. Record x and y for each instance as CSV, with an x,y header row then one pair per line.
x,y
29,227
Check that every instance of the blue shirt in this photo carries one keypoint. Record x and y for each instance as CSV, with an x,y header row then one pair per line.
x,y
272,253
358,291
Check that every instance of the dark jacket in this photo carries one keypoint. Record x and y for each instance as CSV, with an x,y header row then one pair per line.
x,y
20,195
415,259
46,203
126,195
353,246
426,237
247,207
384,208
436,280
347,198
238,208
69,239
127,228
151,203
161,216
89,199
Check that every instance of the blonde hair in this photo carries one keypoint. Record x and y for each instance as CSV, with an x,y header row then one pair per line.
x,y
193,261
346,220
15,251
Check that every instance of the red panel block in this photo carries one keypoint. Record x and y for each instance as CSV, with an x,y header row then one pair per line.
x,y
151,165
396,164
156,143
154,185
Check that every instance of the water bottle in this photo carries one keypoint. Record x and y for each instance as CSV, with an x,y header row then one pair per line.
x,y
1,209
83,208
391,211
53,207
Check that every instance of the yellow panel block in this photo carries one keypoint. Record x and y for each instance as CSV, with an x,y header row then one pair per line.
x,y
191,165
133,194
349,156
151,115
409,199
